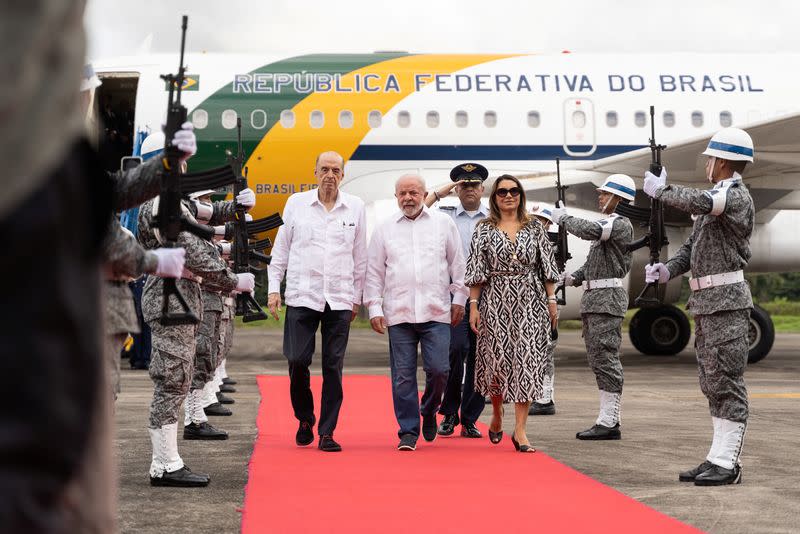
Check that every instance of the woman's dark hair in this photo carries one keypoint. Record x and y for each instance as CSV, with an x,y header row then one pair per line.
x,y
494,210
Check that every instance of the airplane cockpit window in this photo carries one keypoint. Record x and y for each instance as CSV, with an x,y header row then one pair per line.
x,y
287,118
374,119
316,119
462,119
669,119
200,118
404,119
345,119
578,119
229,119
612,119
697,119
534,119
490,119
725,119
640,119
432,119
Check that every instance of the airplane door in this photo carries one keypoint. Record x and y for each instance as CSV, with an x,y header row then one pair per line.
x,y
579,137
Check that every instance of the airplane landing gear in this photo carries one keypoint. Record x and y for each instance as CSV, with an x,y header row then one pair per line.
x,y
761,334
659,331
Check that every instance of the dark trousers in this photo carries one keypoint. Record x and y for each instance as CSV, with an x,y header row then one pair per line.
x,y
404,339
299,333
462,350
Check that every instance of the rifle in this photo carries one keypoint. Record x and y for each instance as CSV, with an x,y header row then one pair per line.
x,y
243,251
656,235
170,218
562,254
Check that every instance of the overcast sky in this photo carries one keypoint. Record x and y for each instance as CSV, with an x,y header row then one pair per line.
x,y
120,27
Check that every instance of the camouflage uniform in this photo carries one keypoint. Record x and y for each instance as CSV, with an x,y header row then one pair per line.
x,y
603,309
226,331
172,360
718,244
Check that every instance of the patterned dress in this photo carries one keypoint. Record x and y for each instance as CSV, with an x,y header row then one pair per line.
x,y
512,346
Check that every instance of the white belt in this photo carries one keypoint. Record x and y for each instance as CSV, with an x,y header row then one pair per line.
x,y
714,280
604,282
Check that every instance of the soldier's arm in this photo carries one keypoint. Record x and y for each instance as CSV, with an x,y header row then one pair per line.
x,y
687,199
587,230
203,259
224,211
124,256
579,275
679,263
134,186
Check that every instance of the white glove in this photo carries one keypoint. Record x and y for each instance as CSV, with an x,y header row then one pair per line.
x,y
653,182
225,248
657,272
565,279
559,212
246,283
219,231
170,262
248,217
246,198
185,141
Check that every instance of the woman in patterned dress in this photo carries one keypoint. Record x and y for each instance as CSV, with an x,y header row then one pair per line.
x,y
511,267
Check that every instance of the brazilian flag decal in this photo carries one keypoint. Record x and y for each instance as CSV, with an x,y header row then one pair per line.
x,y
191,82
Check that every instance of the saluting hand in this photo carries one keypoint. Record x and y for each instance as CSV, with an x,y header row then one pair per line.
x,y
274,304
378,324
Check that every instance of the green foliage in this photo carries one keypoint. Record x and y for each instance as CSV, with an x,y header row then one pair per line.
x,y
770,286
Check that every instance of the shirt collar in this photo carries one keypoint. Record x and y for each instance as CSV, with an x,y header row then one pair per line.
x,y
340,200
425,213
481,210
728,181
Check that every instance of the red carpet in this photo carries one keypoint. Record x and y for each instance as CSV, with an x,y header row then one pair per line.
x,y
372,487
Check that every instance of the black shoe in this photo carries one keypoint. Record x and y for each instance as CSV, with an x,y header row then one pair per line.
x,y
224,399
327,444
469,430
691,474
225,388
181,478
305,433
229,381
521,448
203,431
598,432
548,408
407,443
448,425
719,476
429,427
217,409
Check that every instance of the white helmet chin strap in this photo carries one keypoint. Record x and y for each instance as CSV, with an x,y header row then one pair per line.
x,y
710,171
605,206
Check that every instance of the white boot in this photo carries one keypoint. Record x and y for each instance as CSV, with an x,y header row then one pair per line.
x,y
547,391
610,406
194,408
217,380
223,373
209,396
165,450
726,449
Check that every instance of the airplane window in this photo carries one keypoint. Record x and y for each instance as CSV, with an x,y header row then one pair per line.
x,y
669,119
432,119
490,119
640,119
229,119
404,119
345,119
462,119
287,118
534,119
316,119
258,119
200,118
578,119
697,119
374,119
725,119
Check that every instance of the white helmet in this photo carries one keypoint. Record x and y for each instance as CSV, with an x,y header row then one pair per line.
x,y
89,80
621,185
732,144
152,146
542,211
204,192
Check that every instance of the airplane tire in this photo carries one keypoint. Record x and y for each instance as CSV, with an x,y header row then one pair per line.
x,y
659,331
761,334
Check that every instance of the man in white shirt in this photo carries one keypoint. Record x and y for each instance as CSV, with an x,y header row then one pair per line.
x,y
323,244
415,265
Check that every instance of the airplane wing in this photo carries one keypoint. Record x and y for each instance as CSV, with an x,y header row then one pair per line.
x,y
774,177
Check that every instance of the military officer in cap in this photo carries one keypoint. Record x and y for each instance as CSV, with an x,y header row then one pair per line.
x,y
604,300
467,182
716,252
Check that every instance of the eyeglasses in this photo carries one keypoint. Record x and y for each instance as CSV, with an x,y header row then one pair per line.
x,y
503,192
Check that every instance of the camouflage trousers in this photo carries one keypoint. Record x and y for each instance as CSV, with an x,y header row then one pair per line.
x,y
207,355
171,367
722,345
112,347
602,334
225,336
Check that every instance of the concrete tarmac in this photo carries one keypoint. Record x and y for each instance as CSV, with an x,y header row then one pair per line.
x,y
665,428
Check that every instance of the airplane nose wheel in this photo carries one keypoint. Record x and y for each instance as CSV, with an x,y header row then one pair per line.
x,y
659,331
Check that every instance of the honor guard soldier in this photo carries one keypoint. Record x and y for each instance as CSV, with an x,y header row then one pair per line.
x,y
604,300
716,253
467,182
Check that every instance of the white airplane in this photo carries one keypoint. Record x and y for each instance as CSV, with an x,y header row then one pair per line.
x,y
389,113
